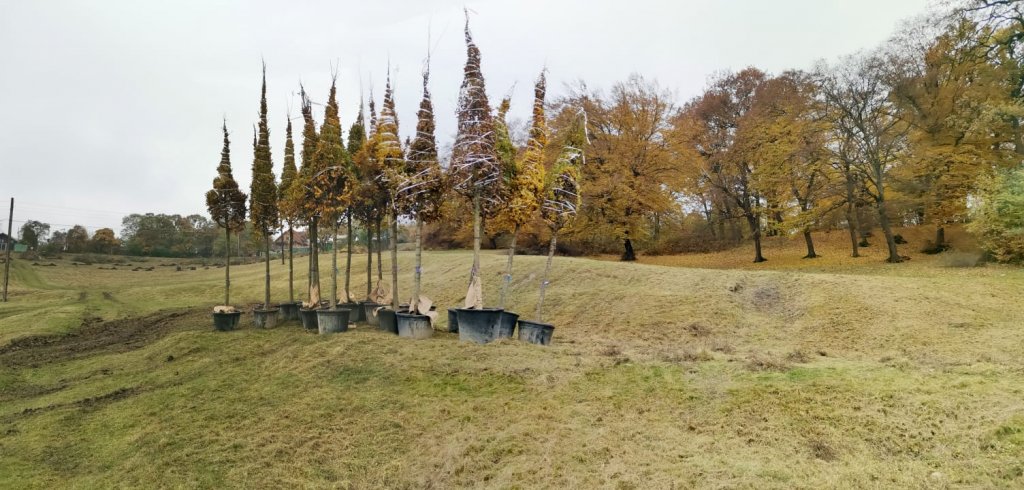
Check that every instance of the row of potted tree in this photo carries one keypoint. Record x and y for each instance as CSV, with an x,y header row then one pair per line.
x,y
377,180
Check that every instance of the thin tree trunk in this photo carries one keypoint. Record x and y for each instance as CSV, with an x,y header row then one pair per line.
x,y
282,250
380,262
394,260
544,277
314,265
851,216
475,271
755,230
369,260
334,268
291,264
508,268
348,257
227,267
266,275
810,245
940,238
417,275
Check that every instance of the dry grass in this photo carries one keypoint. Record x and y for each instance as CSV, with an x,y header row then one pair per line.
x,y
659,377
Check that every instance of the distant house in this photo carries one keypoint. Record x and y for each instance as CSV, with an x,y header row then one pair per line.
x,y
300,241
4,240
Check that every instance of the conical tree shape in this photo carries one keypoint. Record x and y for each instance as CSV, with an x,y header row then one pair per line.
x,y
226,204
526,180
303,197
356,140
475,167
392,161
263,192
330,183
288,210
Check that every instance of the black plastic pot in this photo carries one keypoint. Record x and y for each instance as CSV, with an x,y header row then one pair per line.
x,y
507,325
357,313
453,320
308,317
332,321
289,311
371,318
388,321
224,322
265,318
480,326
414,326
535,332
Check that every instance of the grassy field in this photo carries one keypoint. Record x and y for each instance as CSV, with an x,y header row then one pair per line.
x,y
700,370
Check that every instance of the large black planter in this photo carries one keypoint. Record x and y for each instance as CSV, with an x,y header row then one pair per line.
x,y
453,320
414,326
480,326
507,325
371,318
289,311
308,317
388,321
332,321
356,312
224,322
535,332
265,318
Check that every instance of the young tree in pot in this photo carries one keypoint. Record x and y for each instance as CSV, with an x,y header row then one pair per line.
x,y
330,191
559,208
301,195
263,205
477,173
525,177
368,206
289,213
420,194
391,159
226,204
356,140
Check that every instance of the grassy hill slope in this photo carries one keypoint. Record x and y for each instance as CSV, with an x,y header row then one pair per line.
x,y
905,375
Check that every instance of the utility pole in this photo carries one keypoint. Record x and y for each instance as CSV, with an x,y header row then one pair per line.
x,y
7,262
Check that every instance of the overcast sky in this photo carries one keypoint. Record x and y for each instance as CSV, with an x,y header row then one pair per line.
x,y
113,107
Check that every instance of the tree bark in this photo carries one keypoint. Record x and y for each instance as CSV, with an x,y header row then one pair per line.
x,y
369,260
508,268
414,305
544,277
810,245
334,267
314,265
628,254
851,216
475,271
940,238
380,262
227,267
755,230
266,275
394,260
883,220
291,264
348,256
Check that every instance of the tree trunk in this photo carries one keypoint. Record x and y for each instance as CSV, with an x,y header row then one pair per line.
x,y
291,264
314,265
544,277
266,275
348,257
940,238
810,245
414,305
369,260
755,230
334,268
394,260
628,254
380,262
227,267
508,268
475,271
883,220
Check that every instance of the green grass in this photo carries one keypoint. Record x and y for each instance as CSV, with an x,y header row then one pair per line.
x,y
659,376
